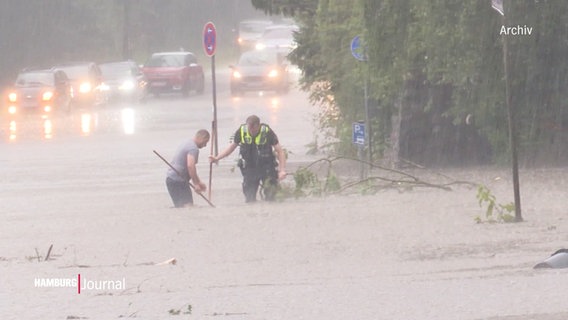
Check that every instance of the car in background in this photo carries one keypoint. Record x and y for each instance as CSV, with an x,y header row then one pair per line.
x,y
260,70
279,37
40,90
86,82
123,81
249,33
174,72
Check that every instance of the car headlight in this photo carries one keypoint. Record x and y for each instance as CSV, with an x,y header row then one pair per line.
x,y
12,97
85,87
237,75
273,73
127,85
47,95
104,87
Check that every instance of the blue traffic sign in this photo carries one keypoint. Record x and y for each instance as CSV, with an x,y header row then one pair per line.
x,y
359,133
358,49
209,39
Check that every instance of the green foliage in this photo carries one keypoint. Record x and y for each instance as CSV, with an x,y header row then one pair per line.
x,y
312,148
307,183
369,188
332,183
438,59
494,212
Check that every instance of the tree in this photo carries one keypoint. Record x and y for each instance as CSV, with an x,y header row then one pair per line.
x,y
436,76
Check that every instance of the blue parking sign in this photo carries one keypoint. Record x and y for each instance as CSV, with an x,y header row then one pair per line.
x,y
358,49
359,133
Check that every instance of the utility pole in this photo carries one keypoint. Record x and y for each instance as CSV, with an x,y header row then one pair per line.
x,y
499,7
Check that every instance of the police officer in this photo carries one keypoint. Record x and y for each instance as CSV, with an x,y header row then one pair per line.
x,y
257,161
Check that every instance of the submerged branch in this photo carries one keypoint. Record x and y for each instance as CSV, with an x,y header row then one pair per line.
x,y
392,179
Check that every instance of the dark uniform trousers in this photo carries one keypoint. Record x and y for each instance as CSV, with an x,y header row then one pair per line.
x,y
253,177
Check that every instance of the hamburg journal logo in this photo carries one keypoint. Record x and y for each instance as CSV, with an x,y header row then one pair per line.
x,y
81,284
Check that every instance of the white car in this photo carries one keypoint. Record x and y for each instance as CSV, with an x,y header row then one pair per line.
x,y
250,32
279,37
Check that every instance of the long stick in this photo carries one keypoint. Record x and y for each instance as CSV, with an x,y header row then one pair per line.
x,y
179,174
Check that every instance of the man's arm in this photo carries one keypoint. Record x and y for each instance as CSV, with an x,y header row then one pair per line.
x,y
281,161
199,186
224,153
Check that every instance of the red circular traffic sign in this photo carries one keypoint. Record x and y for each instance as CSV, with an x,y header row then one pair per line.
x,y
209,39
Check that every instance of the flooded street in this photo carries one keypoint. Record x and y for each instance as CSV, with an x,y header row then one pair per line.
x,y
89,185
112,145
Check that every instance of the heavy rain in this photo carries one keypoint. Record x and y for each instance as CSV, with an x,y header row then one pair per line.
x,y
424,173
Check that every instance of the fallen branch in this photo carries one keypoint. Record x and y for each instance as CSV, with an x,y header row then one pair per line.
x,y
394,179
392,184
48,253
37,255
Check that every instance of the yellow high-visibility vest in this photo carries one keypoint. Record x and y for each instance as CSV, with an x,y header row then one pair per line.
x,y
260,138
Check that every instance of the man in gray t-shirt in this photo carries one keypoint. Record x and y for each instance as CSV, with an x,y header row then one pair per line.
x,y
184,162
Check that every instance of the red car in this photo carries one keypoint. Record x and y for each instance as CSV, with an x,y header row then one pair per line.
x,y
174,72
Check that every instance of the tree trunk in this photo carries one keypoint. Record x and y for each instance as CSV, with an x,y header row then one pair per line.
x,y
392,154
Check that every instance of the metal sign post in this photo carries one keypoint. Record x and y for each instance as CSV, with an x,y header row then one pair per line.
x,y
358,135
210,46
359,52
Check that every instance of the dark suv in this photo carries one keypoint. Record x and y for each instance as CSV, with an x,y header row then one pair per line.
x,y
123,81
86,80
40,90
173,72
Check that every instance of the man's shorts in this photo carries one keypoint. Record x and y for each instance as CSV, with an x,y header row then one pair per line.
x,y
180,192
